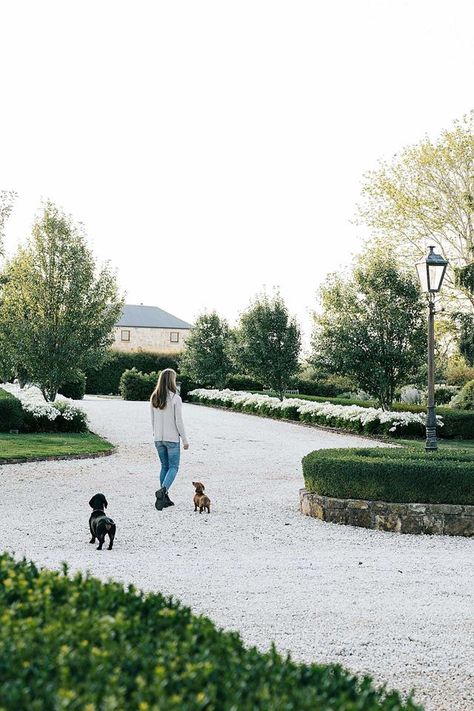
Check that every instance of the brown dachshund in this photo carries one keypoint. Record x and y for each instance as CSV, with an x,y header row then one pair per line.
x,y
201,501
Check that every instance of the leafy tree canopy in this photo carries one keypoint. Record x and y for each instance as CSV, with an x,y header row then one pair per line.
x,y
58,310
206,358
268,343
371,326
425,195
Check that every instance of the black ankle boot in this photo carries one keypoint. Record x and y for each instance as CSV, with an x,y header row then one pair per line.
x,y
160,502
168,501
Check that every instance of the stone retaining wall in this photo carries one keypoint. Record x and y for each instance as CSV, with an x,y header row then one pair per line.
x,y
445,519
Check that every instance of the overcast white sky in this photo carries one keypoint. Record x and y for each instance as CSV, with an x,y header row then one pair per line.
x,y
212,148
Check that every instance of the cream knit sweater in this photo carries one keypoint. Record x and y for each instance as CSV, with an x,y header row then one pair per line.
x,y
168,423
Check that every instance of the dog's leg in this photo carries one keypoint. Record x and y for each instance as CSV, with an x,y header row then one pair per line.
x,y
209,508
111,537
101,543
195,507
92,540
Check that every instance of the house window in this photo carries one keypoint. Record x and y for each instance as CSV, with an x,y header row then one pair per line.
x,y
174,337
124,335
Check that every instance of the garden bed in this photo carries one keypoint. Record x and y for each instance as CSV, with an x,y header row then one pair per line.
x,y
404,490
359,418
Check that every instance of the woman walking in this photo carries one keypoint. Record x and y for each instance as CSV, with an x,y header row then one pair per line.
x,y
168,428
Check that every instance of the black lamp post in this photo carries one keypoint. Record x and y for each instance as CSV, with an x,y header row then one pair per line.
x,y
431,272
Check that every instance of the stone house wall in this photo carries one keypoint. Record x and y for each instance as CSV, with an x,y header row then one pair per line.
x,y
157,340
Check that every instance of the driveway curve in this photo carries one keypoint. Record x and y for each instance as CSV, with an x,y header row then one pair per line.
x,y
400,608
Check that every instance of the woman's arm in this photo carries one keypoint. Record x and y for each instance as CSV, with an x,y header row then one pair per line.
x,y
178,418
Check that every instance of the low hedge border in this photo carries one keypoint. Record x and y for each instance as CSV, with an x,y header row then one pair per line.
x,y
57,457
399,475
456,424
78,643
349,419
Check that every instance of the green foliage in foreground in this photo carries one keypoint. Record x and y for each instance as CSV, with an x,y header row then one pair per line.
x,y
408,475
48,444
81,644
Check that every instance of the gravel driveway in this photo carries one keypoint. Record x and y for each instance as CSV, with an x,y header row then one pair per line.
x,y
398,607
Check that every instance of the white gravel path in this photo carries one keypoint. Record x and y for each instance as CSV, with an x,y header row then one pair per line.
x,y
398,607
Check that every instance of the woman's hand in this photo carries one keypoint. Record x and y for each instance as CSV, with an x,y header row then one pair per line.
x,y
185,446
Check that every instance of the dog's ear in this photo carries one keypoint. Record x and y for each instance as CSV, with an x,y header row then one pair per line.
x,y
104,501
91,502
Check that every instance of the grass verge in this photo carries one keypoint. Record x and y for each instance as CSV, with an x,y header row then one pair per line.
x,y
34,446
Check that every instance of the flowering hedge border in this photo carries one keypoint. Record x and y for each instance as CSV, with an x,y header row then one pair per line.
x,y
40,415
353,418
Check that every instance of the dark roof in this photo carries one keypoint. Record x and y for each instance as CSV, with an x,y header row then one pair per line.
x,y
149,317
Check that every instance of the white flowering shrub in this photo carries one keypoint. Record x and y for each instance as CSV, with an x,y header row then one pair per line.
x,y
42,416
350,417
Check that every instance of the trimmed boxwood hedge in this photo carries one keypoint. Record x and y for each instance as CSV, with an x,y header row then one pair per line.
x,y
106,379
11,413
405,475
458,424
137,386
74,389
83,644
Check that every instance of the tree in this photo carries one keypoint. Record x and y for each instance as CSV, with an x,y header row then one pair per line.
x,y
426,195
58,310
372,326
206,358
268,343
7,198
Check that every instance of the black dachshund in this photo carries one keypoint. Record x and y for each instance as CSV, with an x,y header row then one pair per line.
x,y
100,524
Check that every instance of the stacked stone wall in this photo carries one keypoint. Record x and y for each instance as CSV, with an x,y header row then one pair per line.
x,y
447,519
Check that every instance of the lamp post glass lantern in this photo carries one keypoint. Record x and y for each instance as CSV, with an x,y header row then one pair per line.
x,y
431,272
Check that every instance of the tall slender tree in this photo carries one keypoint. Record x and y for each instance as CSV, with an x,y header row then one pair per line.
x,y
206,357
58,310
269,343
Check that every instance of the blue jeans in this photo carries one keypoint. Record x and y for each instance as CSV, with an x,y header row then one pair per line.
x,y
169,453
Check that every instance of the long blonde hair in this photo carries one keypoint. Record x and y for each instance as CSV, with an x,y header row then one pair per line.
x,y
166,383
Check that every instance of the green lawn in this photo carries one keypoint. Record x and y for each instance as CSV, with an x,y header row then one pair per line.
x,y
49,444
4,395
451,444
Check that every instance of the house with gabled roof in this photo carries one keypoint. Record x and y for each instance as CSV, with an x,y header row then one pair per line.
x,y
149,328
